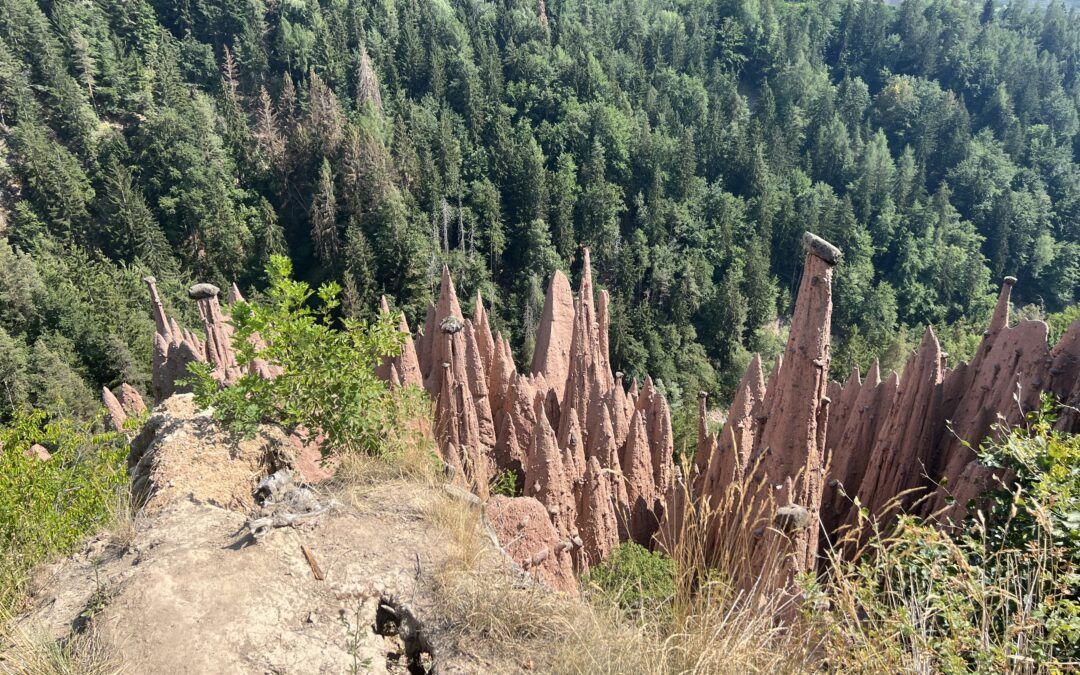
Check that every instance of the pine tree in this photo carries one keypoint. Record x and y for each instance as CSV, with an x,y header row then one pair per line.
x,y
267,134
133,233
324,229
367,84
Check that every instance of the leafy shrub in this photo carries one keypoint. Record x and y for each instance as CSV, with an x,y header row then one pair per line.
x,y
328,381
505,484
636,579
1038,518
48,507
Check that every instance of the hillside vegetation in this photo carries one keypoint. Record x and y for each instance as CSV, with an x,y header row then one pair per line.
x,y
689,143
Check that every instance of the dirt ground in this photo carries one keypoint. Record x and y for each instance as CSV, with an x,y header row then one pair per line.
x,y
187,589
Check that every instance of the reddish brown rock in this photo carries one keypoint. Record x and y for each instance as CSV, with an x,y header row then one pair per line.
x,y
730,452
662,446
161,319
704,449
597,524
842,399
1000,318
621,410
551,356
574,466
790,449
234,295
612,454
477,381
545,478
448,323
519,408
117,415
640,522
175,368
905,444
308,459
603,319
527,535
1065,363
161,387
131,400
606,451
673,519
484,341
508,454
1065,378
500,376
847,466
581,377
1007,385
408,367
218,346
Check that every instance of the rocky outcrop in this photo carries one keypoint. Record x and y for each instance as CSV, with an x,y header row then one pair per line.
x,y
176,347
526,533
597,525
905,444
116,415
551,355
119,409
899,443
549,426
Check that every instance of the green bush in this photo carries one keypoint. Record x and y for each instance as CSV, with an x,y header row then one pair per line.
x,y
328,381
48,507
505,483
1038,518
636,579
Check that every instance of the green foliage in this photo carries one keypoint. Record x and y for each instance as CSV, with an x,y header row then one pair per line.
x,y
1059,322
48,507
689,145
505,484
1038,517
328,381
636,579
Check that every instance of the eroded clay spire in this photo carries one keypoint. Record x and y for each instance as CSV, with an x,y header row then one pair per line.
x,y
551,356
790,450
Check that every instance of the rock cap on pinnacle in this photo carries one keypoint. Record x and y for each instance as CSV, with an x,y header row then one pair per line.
x,y
821,248
202,291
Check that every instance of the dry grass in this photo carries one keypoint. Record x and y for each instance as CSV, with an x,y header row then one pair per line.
x,y
123,521
408,454
28,654
712,628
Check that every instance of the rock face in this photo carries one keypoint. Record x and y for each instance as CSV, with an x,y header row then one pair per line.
x,y
898,443
564,430
128,404
551,356
175,347
525,532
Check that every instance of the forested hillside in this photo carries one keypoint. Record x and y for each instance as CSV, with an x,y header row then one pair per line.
x,y
689,143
